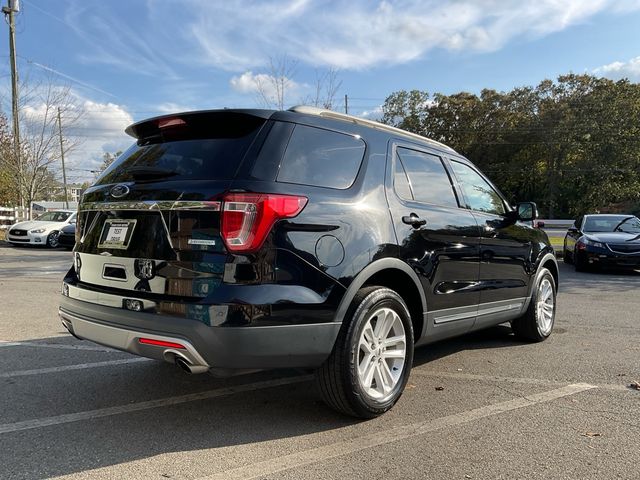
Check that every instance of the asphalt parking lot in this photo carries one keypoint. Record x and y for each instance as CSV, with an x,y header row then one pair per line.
x,y
483,406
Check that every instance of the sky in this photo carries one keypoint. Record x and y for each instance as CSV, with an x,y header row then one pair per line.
x,y
126,60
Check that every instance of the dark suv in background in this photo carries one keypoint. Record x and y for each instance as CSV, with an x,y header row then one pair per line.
x,y
235,240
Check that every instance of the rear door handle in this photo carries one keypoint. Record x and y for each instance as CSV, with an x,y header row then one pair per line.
x,y
414,220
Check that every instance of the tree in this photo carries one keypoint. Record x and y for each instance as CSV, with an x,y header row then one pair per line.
x,y
406,110
571,144
276,86
326,88
273,88
107,160
40,150
8,188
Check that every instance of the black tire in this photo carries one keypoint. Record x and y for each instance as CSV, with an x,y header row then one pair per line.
x,y
578,264
531,326
52,239
338,379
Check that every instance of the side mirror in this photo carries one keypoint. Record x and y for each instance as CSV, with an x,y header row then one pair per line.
x,y
527,211
572,230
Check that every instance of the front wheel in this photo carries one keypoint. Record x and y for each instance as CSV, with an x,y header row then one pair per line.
x,y
52,240
537,322
369,366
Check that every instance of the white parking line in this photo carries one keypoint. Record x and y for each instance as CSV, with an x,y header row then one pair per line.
x,y
501,379
346,447
65,368
61,346
136,407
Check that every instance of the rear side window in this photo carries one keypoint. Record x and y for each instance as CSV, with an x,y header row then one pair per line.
x,y
479,194
321,158
427,177
209,148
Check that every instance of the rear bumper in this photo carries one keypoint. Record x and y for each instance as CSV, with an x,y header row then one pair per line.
x,y
610,259
265,347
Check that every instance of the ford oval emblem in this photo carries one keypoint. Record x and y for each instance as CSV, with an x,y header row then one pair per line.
x,y
119,191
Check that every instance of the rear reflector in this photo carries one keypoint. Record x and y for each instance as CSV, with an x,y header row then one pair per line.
x,y
160,343
247,218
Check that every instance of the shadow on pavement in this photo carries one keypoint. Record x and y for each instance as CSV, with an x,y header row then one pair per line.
x,y
279,413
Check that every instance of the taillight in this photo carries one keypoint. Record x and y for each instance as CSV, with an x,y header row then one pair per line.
x,y
580,245
247,218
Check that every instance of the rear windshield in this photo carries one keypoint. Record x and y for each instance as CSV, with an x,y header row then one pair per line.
x,y
209,149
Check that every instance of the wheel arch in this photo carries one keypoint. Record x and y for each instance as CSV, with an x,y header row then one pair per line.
x,y
396,275
550,262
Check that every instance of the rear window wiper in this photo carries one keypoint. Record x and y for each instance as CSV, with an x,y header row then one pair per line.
x,y
149,173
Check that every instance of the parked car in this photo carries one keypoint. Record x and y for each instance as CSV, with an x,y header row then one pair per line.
x,y
603,241
67,236
42,230
234,240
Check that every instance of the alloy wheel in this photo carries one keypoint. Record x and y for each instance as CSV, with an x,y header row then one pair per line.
x,y
545,306
381,353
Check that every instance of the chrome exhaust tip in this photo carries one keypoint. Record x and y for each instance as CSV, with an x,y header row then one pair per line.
x,y
173,356
184,365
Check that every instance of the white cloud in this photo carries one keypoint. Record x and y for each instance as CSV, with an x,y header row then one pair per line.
x,y
100,130
373,114
109,41
619,70
265,85
354,34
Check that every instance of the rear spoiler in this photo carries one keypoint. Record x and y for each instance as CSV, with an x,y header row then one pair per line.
x,y
198,122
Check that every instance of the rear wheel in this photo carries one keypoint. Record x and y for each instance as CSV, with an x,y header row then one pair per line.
x,y
537,322
579,264
52,240
369,366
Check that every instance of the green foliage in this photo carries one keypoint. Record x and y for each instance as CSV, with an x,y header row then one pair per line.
x,y
571,145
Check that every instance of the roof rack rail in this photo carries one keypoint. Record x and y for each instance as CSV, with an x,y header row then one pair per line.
x,y
321,112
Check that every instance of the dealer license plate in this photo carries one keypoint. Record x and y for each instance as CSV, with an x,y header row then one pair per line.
x,y
116,234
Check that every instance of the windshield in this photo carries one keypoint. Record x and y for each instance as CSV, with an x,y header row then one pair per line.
x,y
614,223
54,217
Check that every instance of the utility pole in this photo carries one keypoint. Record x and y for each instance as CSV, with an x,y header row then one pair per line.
x,y
64,171
346,104
13,7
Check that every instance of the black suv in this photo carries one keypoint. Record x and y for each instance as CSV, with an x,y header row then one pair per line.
x,y
234,240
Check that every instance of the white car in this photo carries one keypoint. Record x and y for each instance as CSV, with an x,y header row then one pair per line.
x,y
41,231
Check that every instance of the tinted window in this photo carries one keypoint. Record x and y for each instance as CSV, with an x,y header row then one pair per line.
x,y
210,148
321,158
401,182
429,180
479,194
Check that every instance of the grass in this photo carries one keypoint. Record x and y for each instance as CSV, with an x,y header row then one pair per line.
x,y
557,242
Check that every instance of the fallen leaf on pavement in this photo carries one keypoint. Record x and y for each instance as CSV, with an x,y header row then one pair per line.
x,y
439,388
635,385
591,434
